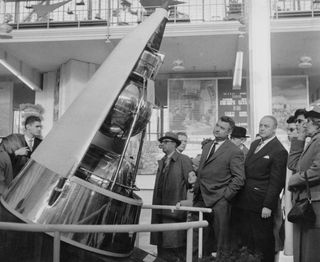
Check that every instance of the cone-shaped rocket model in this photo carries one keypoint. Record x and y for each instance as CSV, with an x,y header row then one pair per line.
x,y
79,174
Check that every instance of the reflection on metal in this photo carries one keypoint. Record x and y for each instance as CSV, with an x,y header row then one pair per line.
x,y
80,173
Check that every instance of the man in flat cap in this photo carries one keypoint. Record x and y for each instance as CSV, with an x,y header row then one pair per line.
x,y
170,187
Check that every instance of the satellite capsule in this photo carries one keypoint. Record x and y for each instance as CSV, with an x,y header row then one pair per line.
x,y
80,173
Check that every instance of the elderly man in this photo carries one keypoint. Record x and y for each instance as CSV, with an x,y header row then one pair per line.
x,y
170,187
265,169
220,177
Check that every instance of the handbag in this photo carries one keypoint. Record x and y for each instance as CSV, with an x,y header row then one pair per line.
x,y
302,212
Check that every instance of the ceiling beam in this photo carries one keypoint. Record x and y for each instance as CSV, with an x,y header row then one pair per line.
x,y
28,75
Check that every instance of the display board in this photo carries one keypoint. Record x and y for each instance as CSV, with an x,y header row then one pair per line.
x,y
192,105
233,102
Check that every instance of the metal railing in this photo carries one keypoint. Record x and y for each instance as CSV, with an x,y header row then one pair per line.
x,y
83,13
33,14
57,229
295,8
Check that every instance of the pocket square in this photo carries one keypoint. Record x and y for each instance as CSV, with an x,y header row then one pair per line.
x,y
266,157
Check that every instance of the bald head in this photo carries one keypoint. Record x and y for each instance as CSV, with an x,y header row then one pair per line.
x,y
267,127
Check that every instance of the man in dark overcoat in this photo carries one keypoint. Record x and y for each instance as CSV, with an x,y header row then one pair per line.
x,y
170,188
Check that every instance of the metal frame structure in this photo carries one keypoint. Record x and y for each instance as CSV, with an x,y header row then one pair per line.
x,y
57,229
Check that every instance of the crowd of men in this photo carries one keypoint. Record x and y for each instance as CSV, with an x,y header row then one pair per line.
x,y
242,187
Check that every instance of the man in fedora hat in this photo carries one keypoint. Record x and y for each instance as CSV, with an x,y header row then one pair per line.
x,y
239,137
170,187
304,159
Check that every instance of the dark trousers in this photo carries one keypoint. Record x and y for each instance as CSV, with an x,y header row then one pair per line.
x,y
254,232
177,254
216,235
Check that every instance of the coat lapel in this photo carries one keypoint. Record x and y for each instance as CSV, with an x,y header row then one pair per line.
x,y
218,152
262,152
309,144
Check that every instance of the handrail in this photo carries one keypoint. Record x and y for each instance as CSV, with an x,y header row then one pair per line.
x,y
57,228
177,207
100,228
181,208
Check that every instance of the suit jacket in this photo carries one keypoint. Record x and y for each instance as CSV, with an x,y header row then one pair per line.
x,y
307,161
265,176
18,162
222,175
170,188
5,171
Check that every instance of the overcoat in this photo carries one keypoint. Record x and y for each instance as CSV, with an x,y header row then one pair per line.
x,y
170,188
306,161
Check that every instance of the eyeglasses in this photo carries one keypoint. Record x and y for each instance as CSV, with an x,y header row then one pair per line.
x,y
299,121
165,141
291,129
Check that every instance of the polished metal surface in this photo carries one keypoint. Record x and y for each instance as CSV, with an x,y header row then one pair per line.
x,y
76,202
149,64
119,120
99,166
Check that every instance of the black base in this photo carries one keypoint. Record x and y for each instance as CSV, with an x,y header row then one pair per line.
x,y
38,247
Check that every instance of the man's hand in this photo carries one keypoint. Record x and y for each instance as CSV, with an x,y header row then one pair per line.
x,y
266,212
23,151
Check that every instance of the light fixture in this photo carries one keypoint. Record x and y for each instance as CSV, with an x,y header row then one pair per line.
x,y
69,11
98,17
237,74
178,65
305,62
18,74
80,3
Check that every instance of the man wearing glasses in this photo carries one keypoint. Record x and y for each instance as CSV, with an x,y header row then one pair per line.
x,y
300,120
170,187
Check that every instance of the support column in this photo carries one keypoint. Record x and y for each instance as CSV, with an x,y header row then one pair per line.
x,y
259,62
46,99
6,108
73,77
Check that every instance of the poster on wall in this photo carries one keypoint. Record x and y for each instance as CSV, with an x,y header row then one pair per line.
x,y
288,94
192,106
233,102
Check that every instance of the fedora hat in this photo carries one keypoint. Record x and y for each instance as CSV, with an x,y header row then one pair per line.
x,y
313,111
172,136
239,132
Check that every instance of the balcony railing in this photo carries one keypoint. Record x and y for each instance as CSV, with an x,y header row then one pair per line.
x,y
78,13
295,8
59,13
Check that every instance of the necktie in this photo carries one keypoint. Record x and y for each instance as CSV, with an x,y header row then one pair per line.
x,y
212,149
259,146
30,143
